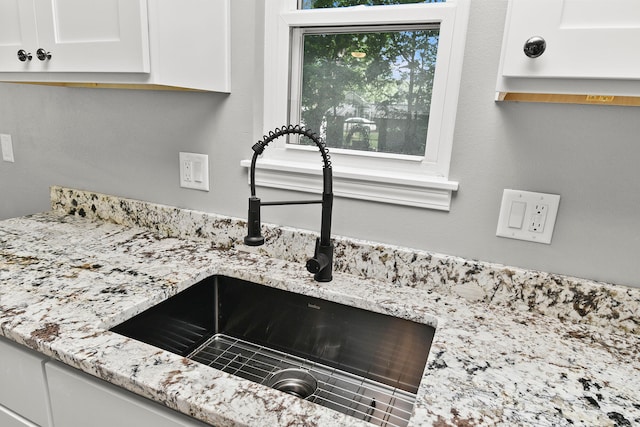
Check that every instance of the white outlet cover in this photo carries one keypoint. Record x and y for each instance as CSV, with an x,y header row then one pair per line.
x,y
194,171
515,222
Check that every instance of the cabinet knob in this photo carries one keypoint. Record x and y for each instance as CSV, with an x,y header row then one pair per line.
x,y
43,54
535,47
24,56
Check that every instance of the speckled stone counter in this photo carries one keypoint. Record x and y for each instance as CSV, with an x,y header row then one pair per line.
x,y
512,347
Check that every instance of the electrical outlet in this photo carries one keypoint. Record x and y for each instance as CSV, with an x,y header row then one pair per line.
x,y
538,218
187,171
525,215
194,171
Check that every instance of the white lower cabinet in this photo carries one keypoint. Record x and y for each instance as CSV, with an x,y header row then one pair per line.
x,y
8,418
23,389
38,392
79,400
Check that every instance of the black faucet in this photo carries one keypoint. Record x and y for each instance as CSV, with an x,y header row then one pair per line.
x,y
322,261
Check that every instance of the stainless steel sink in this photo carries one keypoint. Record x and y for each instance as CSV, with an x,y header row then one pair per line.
x,y
364,364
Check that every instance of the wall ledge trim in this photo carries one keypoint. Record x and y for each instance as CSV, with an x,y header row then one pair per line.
x,y
423,192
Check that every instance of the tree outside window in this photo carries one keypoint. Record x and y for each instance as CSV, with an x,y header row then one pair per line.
x,y
369,90
319,4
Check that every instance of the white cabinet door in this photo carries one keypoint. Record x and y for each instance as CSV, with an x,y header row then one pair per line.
x,y
17,32
10,419
79,400
135,43
93,36
585,39
22,384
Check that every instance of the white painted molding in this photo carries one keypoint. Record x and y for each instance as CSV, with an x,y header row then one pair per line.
x,y
425,192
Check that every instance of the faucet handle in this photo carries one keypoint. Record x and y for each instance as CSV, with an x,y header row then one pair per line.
x,y
254,236
321,265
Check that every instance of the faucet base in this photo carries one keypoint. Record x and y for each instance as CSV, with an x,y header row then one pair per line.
x,y
254,241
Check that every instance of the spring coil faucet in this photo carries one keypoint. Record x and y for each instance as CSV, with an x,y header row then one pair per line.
x,y
321,263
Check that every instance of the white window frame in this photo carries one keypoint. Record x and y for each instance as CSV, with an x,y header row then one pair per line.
x,y
421,181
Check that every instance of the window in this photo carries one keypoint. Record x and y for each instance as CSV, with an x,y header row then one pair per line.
x,y
378,81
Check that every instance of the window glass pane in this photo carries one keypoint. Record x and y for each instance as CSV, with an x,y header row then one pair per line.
x,y
320,4
369,91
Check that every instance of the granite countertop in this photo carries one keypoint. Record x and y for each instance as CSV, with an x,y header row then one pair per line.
x,y
539,358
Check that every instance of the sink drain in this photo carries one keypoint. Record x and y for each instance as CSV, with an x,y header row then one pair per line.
x,y
296,382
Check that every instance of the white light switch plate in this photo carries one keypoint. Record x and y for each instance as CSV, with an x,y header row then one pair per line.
x,y
7,147
525,215
194,171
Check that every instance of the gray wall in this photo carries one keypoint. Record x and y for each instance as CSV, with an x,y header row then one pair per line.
x,y
127,142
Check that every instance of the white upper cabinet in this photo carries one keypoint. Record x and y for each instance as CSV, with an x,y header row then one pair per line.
x,y
96,35
18,35
589,47
126,43
74,36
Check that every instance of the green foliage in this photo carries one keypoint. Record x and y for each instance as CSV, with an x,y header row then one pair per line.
x,y
318,4
388,73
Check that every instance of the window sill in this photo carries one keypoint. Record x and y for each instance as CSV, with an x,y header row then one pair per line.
x,y
408,190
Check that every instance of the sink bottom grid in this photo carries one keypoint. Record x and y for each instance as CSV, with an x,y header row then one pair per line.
x,y
349,394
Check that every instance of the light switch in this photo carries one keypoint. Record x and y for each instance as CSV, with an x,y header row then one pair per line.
x,y
516,216
197,171
7,147
525,215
